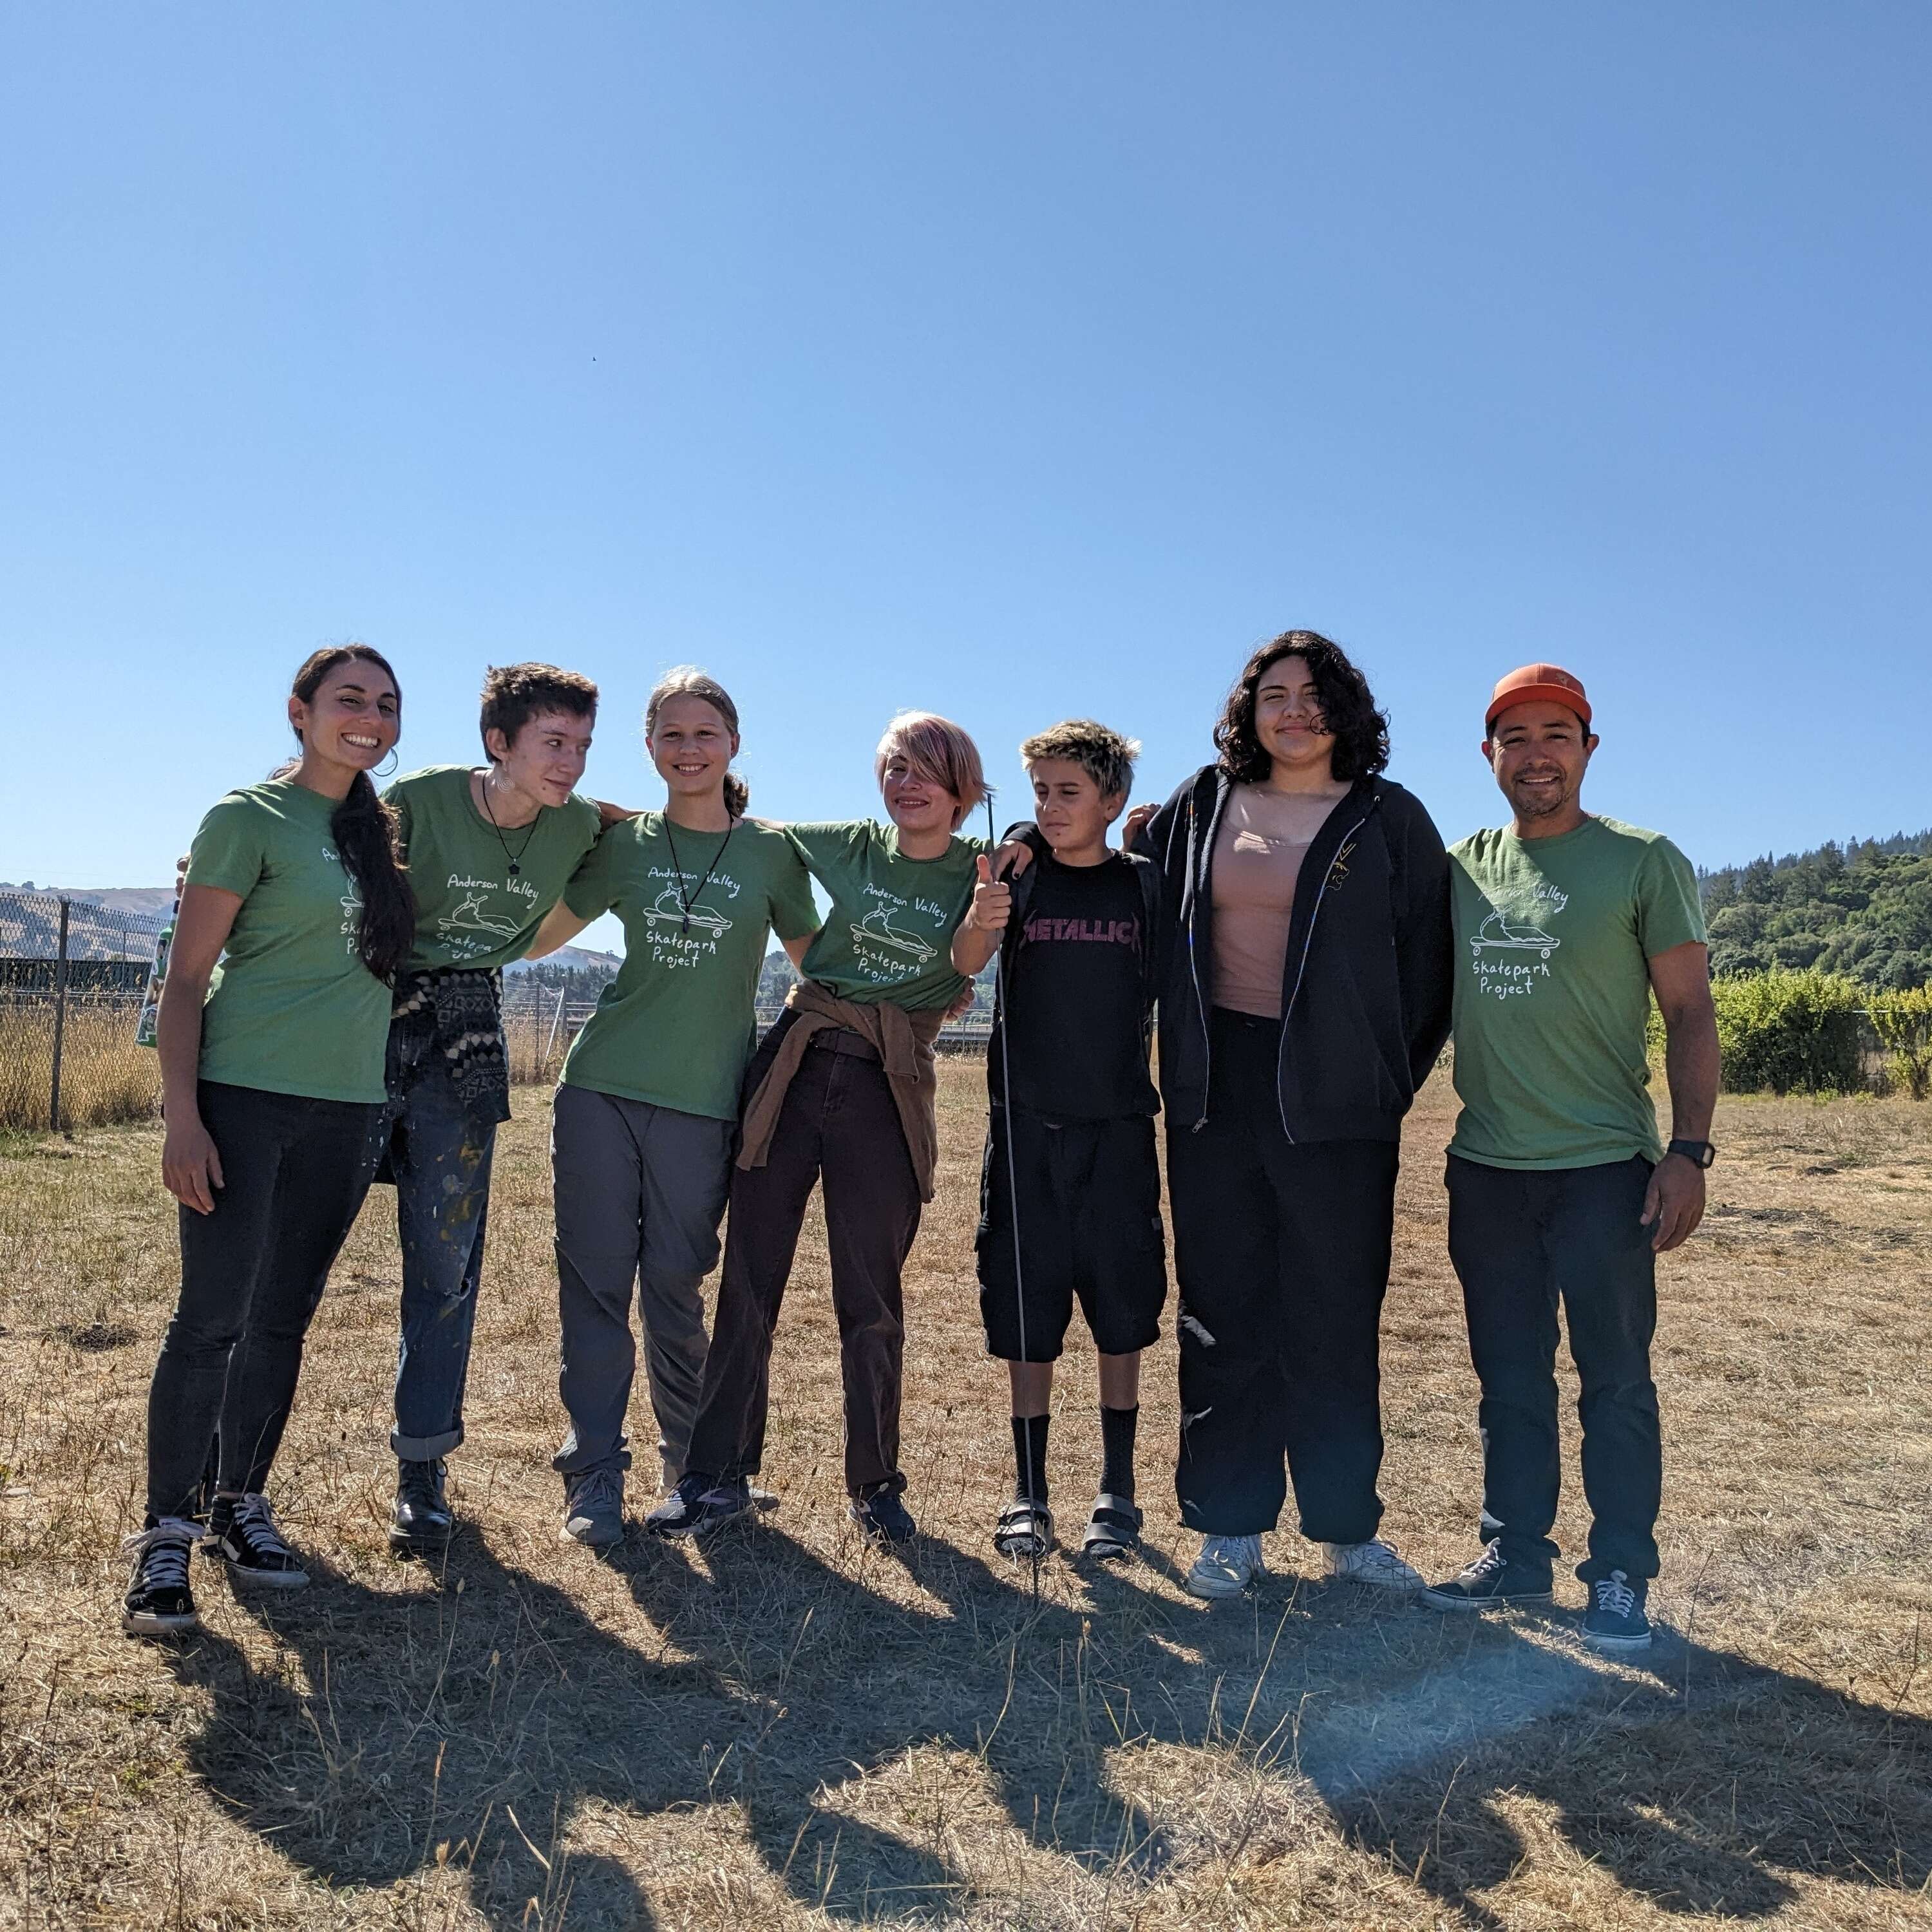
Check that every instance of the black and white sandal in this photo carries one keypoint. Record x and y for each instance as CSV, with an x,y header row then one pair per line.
x,y
1024,1532
1114,1529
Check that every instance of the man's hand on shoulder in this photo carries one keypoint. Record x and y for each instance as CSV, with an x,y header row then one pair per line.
x,y
1673,1204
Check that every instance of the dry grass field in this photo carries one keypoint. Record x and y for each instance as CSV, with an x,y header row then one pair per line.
x,y
789,1729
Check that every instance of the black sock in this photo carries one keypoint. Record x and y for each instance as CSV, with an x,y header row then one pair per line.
x,y
1029,1457
1116,1450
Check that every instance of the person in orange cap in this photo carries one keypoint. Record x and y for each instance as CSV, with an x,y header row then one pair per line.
x,y
1559,1186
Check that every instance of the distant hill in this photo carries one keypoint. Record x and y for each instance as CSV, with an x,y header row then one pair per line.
x,y
137,901
573,959
1863,908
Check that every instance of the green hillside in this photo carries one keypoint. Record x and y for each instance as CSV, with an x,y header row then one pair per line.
x,y
1863,909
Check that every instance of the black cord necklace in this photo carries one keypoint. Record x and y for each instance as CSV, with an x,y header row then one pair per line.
x,y
689,900
483,786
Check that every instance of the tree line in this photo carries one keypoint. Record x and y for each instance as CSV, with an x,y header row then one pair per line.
x,y
1862,910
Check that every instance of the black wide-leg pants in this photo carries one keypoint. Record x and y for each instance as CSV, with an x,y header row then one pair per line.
x,y
1282,1250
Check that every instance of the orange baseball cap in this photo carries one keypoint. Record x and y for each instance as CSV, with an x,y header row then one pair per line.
x,y
1528,683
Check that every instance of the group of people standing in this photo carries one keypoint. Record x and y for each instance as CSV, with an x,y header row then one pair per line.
x,y
1288,925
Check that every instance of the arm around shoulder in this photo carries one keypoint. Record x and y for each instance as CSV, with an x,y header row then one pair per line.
x,y
559,927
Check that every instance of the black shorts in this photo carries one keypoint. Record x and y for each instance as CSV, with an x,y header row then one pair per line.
x,y
1089,1225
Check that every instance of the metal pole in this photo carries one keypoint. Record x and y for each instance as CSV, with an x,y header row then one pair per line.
x,y
556,1021
60,1021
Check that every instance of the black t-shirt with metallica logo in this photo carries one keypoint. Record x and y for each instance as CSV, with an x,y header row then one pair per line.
x,y
1073,1015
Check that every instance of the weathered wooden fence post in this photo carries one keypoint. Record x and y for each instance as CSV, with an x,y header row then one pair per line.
x,y
60,1021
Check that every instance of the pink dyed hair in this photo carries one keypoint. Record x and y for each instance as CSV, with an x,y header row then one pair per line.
x,y
939,751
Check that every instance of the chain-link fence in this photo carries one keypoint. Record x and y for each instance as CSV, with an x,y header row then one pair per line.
x,y
72,978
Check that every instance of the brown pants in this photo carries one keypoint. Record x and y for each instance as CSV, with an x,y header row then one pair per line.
x,y
840,1124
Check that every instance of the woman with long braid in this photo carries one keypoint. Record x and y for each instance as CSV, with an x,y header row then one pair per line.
x,y
271,1082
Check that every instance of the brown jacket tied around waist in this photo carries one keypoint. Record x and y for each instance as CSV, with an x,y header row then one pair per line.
x,y
903,1041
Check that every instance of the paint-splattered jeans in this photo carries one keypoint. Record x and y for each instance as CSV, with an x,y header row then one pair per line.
x,y
440,1155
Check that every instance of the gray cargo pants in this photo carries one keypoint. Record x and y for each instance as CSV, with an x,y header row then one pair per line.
x,y
640,1191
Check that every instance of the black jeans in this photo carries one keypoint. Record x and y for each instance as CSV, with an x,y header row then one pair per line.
x,y
841,1124
294,1173
1519,1239
1282,1249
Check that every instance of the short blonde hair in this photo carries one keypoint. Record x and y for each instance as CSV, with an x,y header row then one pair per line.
x,y
1105,756
938,750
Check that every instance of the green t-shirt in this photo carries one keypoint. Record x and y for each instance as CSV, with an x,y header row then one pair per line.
x,y
1552,990
888,935
676,1027
291,1009
470,911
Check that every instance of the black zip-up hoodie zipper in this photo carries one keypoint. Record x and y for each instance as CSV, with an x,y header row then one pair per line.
x,y
1355,1076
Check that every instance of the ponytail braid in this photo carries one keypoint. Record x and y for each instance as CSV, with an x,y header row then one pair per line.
x,y
365,830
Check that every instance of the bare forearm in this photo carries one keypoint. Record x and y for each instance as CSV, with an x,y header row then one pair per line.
x,y
1691,1068
560,926
972,948
178,1043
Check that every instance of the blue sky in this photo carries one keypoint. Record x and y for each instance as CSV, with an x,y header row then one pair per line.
x,y
1014,362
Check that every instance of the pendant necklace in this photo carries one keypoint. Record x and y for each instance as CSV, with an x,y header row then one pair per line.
x,y
689,900
513,857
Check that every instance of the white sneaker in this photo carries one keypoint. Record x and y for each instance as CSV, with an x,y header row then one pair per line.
x,y
1226,1566
1374,1562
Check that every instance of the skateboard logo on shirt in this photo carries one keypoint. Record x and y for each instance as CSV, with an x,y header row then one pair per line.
x,y
351,918
877,929
682,936
883,949
668,909
1520,928
468,916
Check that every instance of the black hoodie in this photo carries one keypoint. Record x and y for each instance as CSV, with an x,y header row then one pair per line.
x,y
1367,982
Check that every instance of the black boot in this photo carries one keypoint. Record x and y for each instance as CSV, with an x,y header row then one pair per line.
x,y
422,1515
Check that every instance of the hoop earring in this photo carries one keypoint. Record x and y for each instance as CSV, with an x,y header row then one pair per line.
x,y
394,761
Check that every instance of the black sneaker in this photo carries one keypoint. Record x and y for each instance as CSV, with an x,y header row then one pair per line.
x,y
883,1515
242,1531
1616,1620
1491,1582
159,1602
699,1503
421,1514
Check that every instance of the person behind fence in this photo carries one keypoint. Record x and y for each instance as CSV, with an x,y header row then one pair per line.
x,y
490,852
646,1110
843,1086
1070,1182
1559,1187
1306,1001
271,1083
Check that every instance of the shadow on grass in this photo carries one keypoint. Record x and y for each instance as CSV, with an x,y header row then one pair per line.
x,y
484,1722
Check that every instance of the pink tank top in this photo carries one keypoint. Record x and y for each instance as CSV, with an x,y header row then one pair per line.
x,y
1258,852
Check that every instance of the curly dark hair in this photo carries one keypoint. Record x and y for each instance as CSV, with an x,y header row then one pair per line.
x,y
1348,710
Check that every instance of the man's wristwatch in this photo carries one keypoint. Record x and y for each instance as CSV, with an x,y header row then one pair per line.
x,y
1699,1153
